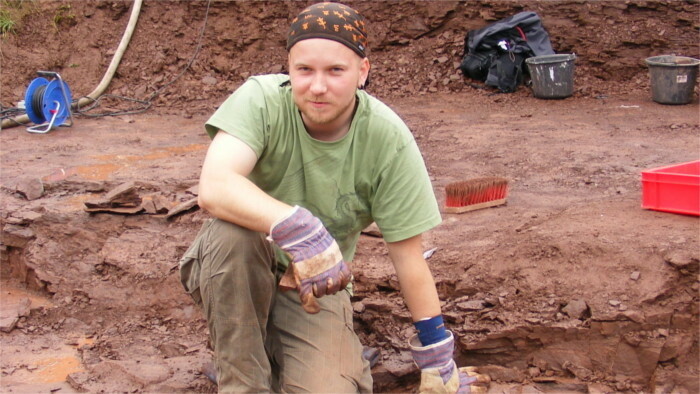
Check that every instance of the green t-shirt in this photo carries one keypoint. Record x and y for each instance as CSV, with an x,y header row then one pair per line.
x,y
374,173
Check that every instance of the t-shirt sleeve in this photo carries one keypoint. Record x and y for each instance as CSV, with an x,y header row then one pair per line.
x,y
243,115
404,203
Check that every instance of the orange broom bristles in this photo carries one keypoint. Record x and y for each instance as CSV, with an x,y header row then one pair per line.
x,y
475,193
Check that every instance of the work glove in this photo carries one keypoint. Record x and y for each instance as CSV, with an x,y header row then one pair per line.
x,y
317,267
439,373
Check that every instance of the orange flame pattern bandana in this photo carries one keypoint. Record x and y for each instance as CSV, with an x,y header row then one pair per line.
x,y
332,21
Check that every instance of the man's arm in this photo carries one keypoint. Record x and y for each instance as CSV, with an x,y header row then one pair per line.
x,y
317,266
439,373
226,193
417,284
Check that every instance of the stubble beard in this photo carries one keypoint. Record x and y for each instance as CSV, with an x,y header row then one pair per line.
x,y
327,115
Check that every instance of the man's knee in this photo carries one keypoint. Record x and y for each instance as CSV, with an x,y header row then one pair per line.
x,y
227,240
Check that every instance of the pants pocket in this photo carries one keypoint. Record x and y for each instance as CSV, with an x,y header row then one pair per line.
x,y
353,366
190,267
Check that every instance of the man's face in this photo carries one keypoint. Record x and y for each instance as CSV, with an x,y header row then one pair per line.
x,y
324,75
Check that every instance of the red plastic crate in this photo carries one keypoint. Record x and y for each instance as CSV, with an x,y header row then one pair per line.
x,y
674,188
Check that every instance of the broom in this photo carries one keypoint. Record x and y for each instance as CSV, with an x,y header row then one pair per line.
x,y
475,194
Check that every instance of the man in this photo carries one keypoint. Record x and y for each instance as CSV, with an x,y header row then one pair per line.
x,y
297,167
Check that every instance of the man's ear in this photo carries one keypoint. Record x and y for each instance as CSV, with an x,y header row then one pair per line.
x,y
364,72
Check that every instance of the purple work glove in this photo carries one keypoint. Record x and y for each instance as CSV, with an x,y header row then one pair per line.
x,y
317,263
439,373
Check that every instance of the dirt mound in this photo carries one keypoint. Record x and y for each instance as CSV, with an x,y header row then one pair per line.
x,y
415,46
571,286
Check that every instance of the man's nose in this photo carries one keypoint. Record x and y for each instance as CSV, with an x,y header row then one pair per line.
x,y
318,84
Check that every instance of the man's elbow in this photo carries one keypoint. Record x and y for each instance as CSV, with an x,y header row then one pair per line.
x,y
205,197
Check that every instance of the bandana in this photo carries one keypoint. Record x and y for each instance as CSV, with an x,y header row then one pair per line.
x,y
332,21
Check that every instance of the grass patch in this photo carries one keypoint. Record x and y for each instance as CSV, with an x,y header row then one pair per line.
x,y
63,16
7,24
11,14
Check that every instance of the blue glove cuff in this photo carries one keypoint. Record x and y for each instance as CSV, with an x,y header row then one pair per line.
x,y
431,330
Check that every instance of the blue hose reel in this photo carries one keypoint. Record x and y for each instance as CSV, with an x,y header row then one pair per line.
x,y
48,102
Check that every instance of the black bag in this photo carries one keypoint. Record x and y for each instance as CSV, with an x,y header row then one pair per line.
x,y
496,53
506,71
476,64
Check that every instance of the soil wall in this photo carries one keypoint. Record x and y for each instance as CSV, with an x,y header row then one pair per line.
x,y
415,46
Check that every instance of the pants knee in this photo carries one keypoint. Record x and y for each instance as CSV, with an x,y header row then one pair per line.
x,y
227,241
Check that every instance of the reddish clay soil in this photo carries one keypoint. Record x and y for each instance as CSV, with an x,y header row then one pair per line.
x,y
570,287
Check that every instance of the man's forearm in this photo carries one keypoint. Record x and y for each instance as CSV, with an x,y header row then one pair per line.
x,y
417,284
226,193
236,199
420,294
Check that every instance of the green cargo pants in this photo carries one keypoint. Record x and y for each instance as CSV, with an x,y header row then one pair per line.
x,y
263,340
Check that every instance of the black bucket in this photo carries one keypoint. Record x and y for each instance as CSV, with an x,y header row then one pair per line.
x,y
672,78
552,75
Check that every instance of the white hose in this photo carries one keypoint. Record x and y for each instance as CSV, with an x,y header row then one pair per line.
x,y
108,75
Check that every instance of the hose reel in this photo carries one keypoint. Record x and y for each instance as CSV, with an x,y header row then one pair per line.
x,y
48,102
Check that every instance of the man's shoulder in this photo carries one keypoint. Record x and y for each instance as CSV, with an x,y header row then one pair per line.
x,y
269,81
381,117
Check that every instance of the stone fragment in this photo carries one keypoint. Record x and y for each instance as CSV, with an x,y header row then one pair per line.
x,y
401,365
474,305
635,275
637,363
533,372
185,206
209,80
662,319
79,380
10,314
124,194
24,217
465,287
358,307
453,316
30,188
149,206
171,349
675,345
502,374
163,205
377,304
580,372
576,309
9,323
123,199
682,260
16,236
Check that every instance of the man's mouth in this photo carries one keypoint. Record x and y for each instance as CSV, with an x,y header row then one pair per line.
x,y
319,104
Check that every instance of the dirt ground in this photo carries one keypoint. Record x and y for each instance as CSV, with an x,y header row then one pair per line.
x,y
570,287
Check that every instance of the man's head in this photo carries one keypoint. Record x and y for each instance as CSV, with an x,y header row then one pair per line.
x,y
327,63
